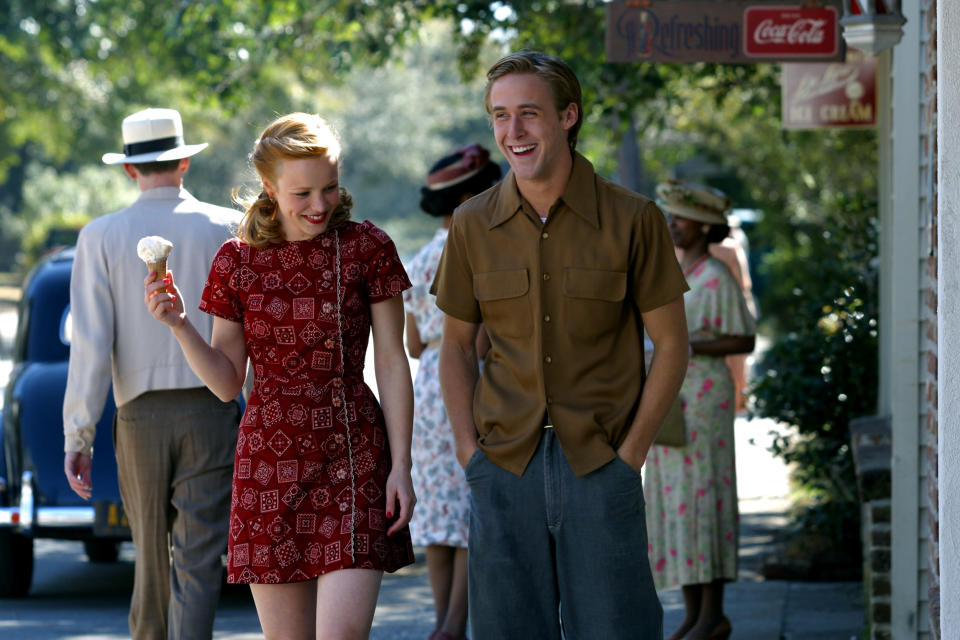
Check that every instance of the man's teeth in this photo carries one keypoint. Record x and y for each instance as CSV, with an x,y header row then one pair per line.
x,y
523,149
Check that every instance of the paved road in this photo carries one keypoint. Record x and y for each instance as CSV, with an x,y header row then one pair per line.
x,y
72,598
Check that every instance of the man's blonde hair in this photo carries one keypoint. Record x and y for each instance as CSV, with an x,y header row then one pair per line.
x,y
559,77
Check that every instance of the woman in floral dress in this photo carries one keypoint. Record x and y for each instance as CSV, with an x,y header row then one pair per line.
x,y
441,520
691,491
322,470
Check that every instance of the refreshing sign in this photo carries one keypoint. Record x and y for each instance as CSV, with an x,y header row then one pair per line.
x,y
731,32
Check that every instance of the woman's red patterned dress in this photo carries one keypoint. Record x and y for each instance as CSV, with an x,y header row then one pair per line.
x,y
312,453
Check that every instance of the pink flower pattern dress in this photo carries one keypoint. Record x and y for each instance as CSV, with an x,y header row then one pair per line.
x,y
312,454
442,516
691,491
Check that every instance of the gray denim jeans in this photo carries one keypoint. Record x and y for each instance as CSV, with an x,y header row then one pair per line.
x,y
549,546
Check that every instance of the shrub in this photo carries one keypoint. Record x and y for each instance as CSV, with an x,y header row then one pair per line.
x,y
823,372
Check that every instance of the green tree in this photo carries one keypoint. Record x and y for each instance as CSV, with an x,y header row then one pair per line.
x,y
73,68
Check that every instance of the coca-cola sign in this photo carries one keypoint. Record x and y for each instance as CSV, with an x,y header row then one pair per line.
x,y
725,31
785,32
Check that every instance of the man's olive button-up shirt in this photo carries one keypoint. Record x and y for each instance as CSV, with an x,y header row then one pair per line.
x,y
603,257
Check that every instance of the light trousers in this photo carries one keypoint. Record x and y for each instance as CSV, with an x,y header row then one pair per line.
x,y
175,452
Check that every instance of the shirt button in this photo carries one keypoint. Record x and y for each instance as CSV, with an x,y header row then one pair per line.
x,y
546,318
548,359
546,276
545,235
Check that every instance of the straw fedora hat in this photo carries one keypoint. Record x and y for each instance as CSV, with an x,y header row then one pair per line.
x,y
153,135
693,201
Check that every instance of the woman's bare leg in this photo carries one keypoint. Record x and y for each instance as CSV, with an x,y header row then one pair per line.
x,y
346,601
711,611
286,611
455,622
692,595
440,571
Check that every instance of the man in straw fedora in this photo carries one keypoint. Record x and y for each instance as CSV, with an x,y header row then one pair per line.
x,y
174,440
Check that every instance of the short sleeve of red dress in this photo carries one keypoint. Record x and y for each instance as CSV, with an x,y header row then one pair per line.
x,y
386,276
220,296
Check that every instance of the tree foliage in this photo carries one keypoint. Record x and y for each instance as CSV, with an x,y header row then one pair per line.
x,y
73,68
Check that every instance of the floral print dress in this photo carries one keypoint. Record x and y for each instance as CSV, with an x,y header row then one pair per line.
x,y
312,454
691,491
443,497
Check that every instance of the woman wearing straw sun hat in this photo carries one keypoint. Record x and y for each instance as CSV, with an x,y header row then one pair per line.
x,y
691,490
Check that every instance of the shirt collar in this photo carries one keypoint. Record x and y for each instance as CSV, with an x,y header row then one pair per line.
x,y
580,195
166,193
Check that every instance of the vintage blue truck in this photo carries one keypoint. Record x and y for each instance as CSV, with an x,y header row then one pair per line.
x,y
35,499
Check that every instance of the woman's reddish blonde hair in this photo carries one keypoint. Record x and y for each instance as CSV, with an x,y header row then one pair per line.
x,y
291,137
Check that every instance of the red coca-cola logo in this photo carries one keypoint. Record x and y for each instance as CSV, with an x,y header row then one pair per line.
x,y
790,31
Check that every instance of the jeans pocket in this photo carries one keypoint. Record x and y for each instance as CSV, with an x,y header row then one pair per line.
x,y
627,469
471,463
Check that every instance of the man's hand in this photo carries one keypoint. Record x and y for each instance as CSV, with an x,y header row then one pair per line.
x,y
77,468
465,452
632,457
459,373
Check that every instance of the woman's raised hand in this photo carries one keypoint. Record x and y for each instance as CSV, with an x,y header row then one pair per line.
x,y
163,300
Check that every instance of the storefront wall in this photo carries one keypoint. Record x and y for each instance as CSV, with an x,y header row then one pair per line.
x,y
948,181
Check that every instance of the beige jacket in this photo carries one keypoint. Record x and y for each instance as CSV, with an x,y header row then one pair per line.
x,y
112,333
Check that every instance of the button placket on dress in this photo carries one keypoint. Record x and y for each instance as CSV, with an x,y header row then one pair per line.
x,y
343,402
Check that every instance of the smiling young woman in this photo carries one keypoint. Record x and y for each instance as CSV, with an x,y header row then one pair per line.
x,y
322,480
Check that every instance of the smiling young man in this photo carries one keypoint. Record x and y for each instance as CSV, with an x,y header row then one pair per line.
x,y
565,270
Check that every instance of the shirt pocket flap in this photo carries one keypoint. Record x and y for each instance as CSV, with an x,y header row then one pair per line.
x,y
500,285
594,284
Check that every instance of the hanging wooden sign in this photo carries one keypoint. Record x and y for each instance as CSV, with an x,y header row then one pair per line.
x,y
729,32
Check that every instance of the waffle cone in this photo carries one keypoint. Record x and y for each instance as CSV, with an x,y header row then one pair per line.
x,y
159,267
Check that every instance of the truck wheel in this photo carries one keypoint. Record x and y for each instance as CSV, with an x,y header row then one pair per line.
x,y
102,550
16,564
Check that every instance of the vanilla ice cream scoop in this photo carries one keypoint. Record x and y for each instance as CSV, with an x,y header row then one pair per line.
x,y
153,249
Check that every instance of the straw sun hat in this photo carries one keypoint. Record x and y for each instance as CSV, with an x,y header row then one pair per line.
x,y
153,135
693,201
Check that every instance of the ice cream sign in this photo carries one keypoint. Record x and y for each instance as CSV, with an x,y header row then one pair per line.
x,y
835,94
712,31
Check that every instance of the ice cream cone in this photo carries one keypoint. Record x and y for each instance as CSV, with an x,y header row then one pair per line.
x,y
160,268
154,250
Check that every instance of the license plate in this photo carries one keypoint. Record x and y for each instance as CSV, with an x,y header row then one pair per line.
x,y
109,520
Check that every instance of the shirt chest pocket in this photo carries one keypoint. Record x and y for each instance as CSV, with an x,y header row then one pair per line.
x,y
504,301
593,299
